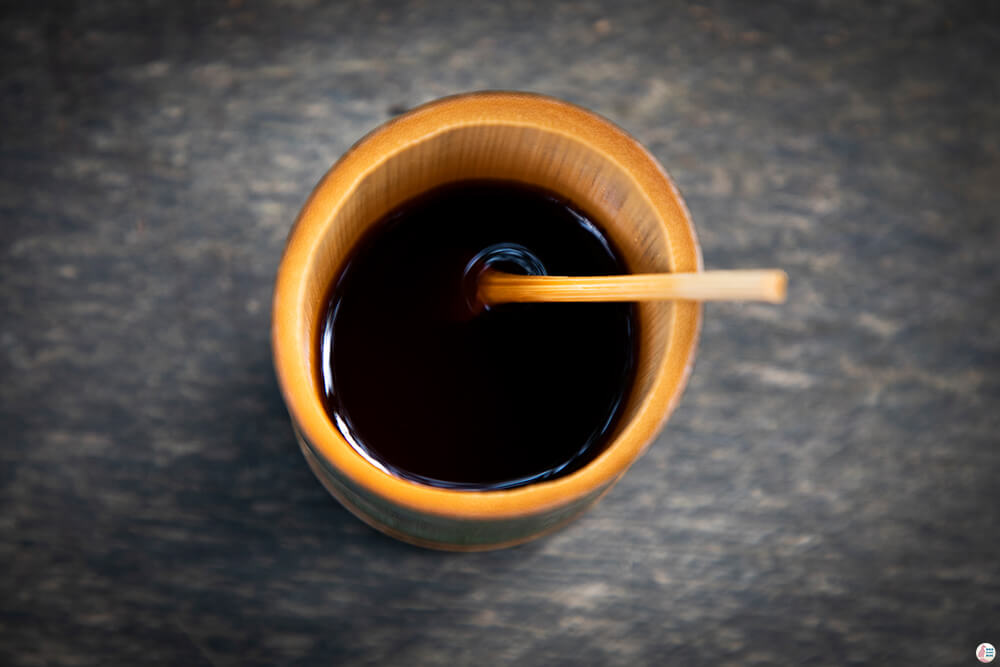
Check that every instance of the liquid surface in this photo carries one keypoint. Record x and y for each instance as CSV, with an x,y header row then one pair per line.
x,y
510,395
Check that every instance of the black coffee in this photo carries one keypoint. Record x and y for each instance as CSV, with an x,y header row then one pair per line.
x,y
513,394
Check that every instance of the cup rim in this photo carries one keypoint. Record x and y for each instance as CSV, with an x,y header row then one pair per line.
x,y
289,325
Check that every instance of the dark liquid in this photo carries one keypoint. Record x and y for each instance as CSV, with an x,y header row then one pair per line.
x,y
511,395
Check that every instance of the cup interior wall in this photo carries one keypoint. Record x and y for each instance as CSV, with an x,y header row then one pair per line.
x,y
592,181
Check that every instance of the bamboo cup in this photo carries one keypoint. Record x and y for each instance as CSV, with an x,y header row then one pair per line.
x,y
513,136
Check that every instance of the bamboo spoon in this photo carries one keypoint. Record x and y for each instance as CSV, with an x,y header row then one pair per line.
x,y
763,285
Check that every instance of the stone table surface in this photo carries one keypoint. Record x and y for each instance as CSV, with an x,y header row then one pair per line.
x,y
825,492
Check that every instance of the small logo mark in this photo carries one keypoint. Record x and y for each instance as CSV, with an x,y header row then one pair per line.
x,y
986,652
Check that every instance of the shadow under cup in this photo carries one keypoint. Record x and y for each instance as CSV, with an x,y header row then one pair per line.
x,y
509,136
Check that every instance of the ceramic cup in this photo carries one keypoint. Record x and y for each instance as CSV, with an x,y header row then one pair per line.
x,y
513,136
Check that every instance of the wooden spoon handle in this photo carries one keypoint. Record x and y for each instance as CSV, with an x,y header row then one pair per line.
x,y
762,285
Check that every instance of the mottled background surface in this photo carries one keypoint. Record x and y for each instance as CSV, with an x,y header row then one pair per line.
x,y
827,490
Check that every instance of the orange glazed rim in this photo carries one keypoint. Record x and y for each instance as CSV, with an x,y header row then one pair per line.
x,y
290,325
